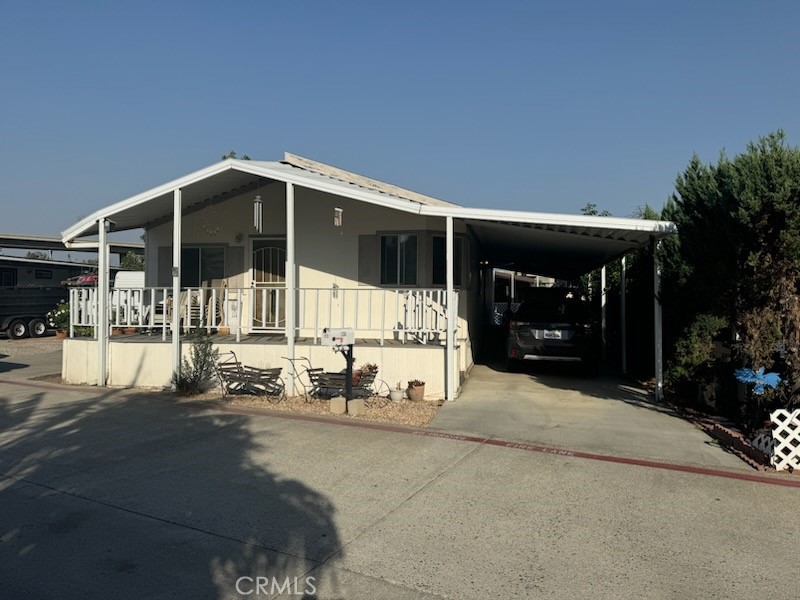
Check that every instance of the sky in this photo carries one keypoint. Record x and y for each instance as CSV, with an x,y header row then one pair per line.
x,y
527,105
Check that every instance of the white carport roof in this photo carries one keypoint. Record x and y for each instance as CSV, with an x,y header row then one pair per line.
x,y
560,245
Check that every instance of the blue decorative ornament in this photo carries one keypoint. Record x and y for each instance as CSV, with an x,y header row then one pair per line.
x,y
758,379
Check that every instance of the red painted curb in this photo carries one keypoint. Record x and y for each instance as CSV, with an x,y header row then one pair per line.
x,y
781,480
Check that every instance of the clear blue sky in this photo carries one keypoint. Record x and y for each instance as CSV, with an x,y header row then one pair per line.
x,y
524,105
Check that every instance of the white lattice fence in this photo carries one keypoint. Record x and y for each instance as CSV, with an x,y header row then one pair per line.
x,y
786,433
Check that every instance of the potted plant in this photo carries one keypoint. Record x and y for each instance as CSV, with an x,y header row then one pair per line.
x,y
396,395
416,390
59,319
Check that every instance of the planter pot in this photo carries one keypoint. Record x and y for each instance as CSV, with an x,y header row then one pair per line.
x,y
129,330
60,334
396,395
116,331
224,331
416,393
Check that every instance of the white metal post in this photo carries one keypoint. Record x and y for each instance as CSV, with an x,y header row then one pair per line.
x,y
290,285
659,366
452,314
177,215
102,302
623,327
603,301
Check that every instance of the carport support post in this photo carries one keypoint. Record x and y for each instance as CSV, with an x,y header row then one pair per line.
x,y
177,215
659,366
603,301
102,303
290,286
452,312
623,335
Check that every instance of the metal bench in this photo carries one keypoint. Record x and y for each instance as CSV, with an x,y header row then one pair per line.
x,y
237,378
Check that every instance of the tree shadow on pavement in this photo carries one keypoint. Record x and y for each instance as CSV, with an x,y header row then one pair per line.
x,y
127,496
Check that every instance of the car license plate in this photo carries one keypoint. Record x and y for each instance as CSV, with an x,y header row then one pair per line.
x,y
552,334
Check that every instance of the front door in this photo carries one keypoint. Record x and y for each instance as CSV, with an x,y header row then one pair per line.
x,y
268,281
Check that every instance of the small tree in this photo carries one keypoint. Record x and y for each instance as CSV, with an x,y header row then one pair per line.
x,y
132,262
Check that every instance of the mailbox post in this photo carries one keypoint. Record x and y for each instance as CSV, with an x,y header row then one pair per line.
x,y
342,340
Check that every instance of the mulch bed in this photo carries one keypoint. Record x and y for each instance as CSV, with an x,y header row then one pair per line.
x,y
415,414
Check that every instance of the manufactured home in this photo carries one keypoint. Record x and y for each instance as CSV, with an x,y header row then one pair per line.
x,y
265,255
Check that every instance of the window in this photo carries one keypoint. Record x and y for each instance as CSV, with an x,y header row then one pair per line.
x,y
43,274
8,277
202,266
440,260
399,259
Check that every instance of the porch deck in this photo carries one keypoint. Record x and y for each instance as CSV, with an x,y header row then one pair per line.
x,y
254,339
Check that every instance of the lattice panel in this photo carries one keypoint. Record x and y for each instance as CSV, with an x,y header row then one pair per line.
x,y
786,433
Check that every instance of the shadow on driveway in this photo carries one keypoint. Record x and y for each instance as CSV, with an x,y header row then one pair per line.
x,y
163,503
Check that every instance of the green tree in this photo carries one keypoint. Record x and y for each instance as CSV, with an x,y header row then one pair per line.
x,y
736,261
132,261
232,154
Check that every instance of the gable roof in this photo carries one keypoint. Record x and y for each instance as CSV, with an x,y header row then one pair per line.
x,y
553,243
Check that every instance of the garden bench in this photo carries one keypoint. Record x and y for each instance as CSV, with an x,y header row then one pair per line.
x,y
237,378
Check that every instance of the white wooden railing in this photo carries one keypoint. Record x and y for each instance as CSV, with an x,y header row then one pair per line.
x,y
417,315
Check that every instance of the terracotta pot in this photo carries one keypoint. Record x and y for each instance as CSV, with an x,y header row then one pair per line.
x,y
224,331
129,330
416,393
60,334
116,331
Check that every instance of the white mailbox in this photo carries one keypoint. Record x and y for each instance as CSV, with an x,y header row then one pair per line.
x,y
342,336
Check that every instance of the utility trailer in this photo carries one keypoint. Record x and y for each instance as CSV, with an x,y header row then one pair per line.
x,y
29,289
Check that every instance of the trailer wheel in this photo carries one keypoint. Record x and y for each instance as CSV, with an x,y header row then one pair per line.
x,y
17,329
37,327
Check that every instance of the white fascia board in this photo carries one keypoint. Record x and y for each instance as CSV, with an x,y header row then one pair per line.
x,y
305,180
555,219
81,226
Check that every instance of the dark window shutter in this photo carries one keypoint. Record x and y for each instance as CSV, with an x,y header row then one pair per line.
x,y
234,266
164,266
368,259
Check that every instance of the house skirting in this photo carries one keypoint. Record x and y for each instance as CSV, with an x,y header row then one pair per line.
x,y
149,365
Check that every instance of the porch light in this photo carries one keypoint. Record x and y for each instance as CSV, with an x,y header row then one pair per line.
x,y
258,213
338,217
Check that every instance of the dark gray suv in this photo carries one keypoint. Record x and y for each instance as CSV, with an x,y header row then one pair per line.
x,y
552,324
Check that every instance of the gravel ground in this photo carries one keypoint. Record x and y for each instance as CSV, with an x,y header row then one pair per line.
x,y
416,414
29,346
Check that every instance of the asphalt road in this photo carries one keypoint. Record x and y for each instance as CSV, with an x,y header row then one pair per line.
x,y
119,495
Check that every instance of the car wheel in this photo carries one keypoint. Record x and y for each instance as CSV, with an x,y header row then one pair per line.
x,y
37,327
17,329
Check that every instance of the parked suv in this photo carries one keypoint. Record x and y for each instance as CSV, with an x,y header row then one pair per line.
x,y
552,324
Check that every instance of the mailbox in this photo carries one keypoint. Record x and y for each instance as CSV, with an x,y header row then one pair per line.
x,y
342,336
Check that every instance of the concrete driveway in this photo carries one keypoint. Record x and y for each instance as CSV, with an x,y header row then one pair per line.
x,y
558,406
126,495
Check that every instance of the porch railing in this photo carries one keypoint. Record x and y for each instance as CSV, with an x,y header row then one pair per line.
x,y
400,314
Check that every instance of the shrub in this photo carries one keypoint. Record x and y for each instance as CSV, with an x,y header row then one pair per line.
x,y
59,316
197,369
